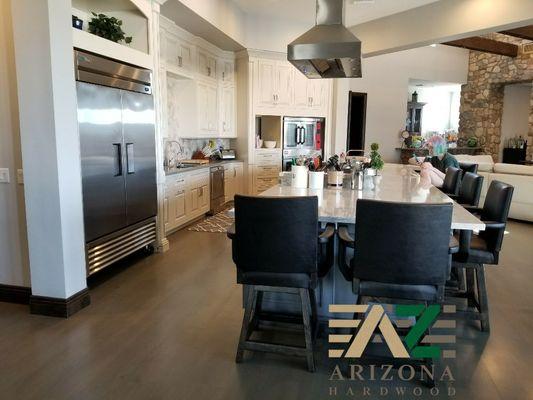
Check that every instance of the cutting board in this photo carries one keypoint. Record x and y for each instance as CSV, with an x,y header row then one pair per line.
x,y
195,161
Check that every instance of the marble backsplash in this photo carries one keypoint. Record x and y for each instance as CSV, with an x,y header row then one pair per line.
x,y
183,149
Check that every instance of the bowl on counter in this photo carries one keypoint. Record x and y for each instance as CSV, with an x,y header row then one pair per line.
x,y
270,144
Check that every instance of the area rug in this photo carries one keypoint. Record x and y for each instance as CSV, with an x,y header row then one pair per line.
x,y
217,223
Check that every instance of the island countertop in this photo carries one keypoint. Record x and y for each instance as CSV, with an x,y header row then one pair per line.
x,y
397,183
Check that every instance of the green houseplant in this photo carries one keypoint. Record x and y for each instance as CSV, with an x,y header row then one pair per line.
x,y
108,27
376,162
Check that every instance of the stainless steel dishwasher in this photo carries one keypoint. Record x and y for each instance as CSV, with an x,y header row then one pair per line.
x,y
217,189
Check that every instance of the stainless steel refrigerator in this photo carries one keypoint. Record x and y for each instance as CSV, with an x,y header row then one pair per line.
x,y
117,141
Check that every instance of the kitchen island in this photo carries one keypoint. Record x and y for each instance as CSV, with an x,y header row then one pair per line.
x,y
397,183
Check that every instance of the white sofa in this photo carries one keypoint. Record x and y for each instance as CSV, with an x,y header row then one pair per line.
x,y
519,176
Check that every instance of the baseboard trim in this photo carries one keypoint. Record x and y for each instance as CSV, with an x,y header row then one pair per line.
x,y
15,294
64,308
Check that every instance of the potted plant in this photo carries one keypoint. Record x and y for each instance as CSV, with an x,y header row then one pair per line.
x,y
376,162
108,27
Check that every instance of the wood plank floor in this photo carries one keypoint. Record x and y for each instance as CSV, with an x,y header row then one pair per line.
x,y
167,326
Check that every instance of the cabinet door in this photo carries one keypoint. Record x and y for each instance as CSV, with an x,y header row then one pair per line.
x,y
238,183
207,64
180,213
185,56
191,202
203,198
317,94
283,84
212,108
203,107
169,48
265,82
228,111
301,90
228,68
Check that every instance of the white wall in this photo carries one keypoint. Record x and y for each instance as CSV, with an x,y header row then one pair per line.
x,y
515,118
441,111
386,80
14,266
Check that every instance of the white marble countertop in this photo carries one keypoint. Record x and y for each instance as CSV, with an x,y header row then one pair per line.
x,y
397,183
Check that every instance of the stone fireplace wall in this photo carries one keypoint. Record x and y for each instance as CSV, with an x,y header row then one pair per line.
x,y
482,97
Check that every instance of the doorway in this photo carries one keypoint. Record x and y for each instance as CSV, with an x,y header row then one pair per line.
x,y
356,121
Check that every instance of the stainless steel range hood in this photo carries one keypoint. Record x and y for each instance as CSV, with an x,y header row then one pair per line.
x,y
328,50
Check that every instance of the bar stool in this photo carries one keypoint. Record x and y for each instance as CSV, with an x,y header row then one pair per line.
x,y
476,251
469,190
277,248
452,181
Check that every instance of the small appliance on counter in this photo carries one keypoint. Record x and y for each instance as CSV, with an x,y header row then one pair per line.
x,y
227,154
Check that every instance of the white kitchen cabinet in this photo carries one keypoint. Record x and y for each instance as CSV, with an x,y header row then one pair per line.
x,y
274,82
301,90
207,64
178,54
266,170
266,72
233,180
207,108
227,115
283,84
186,198
227,76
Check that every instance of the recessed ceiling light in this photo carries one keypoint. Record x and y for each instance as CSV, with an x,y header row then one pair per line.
x,y
433,45
363,1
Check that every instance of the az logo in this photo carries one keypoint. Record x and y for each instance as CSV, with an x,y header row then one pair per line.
x,y
377,319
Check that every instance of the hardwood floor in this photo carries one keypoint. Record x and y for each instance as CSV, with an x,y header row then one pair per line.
x,y
167,327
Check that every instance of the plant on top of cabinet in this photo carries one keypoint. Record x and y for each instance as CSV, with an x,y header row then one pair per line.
x,y
108,27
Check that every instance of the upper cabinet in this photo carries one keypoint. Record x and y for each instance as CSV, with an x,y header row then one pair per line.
x,y
280,89
274,83
177,54
198,86
207,64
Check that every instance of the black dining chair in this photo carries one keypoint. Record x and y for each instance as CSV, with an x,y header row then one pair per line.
x,y
478,250
468,167
469,190
401,251
452,181
277,247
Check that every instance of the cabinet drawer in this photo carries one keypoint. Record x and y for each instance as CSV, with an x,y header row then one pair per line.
x,y
269,171
268,158
263,183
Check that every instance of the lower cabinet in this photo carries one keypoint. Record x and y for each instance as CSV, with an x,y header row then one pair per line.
x,y
186,198
233,180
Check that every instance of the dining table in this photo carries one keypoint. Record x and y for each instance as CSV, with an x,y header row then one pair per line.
x,y
338,205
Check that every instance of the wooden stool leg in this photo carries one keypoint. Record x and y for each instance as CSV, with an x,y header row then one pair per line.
x,y
306,308
483,299
470,286
250,300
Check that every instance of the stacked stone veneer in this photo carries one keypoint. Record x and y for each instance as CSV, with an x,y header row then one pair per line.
x,y
482,97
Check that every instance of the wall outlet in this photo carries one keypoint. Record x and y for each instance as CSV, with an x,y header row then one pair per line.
x,y
4,175
20,177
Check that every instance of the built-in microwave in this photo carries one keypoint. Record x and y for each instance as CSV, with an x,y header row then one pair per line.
x,y
302,136
302,133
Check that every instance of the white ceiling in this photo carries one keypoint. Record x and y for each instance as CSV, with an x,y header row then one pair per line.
x,y
357,11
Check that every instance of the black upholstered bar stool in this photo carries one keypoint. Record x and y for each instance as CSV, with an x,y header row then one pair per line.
x,y
476,251
277,248
452,181
469,190
468,167
402,250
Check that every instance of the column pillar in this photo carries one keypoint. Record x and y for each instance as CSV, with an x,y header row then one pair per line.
x,y
50,155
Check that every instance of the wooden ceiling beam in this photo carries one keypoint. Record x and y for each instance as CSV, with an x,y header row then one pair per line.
x,y
526,32
486,45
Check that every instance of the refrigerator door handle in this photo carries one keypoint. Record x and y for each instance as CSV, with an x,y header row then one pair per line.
x,y
130,158
118,159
